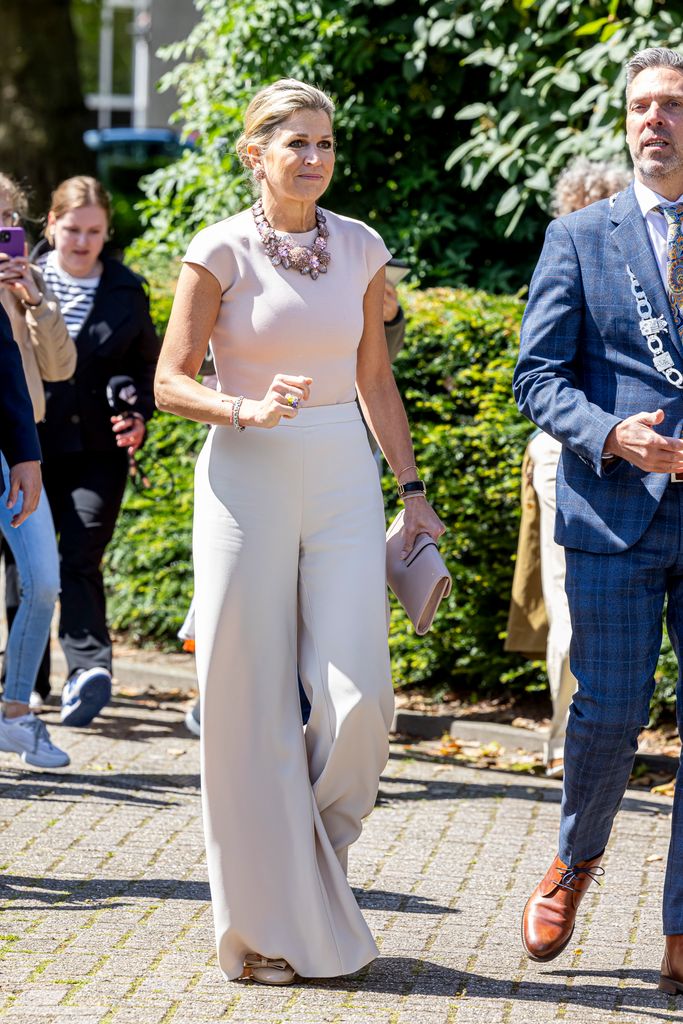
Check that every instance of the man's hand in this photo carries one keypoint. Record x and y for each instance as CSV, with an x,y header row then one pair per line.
x,y
25,477
130,431
635,441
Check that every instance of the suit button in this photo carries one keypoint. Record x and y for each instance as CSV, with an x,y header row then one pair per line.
x,y
75,418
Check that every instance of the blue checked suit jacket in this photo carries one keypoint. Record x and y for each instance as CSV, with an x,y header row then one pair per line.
x,y
584,365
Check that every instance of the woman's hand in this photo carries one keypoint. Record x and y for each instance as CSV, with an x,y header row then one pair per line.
x,y
281,400
16,276
419,517
129,430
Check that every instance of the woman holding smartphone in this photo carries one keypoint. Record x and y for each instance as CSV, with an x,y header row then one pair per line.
x,y
85,446
47,353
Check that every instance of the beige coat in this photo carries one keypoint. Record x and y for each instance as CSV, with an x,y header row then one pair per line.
x,y
527,629
47,351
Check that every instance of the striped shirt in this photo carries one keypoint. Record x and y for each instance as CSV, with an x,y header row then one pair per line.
x,y
76,295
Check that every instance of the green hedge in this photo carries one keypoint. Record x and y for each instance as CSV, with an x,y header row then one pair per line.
x,y
455,375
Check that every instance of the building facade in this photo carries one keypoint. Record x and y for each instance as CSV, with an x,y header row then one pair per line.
x,y
131,33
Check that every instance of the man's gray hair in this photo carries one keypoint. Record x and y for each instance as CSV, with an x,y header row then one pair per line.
x,y
653,57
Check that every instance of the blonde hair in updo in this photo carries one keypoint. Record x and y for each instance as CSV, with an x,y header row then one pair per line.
x,y
584,182
273,105
74,193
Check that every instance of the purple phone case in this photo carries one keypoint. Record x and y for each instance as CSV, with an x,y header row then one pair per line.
x,y
12,241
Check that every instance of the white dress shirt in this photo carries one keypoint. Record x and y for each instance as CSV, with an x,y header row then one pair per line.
x,y
656,223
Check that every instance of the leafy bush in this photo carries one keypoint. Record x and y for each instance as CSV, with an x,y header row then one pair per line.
x,y
455,375
553,88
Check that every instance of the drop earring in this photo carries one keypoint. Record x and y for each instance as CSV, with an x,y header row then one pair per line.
x,y
259,173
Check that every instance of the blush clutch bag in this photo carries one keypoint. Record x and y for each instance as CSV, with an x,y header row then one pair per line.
x,y
420,581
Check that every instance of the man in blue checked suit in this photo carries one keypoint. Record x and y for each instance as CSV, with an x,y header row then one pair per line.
x,y
601,370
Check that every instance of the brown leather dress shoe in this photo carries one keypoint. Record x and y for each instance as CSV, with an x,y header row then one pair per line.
x,y
548,920
671,978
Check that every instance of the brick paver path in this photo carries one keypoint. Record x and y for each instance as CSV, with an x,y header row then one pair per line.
x,y
106,916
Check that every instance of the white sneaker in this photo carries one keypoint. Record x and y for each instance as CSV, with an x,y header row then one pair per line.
x,y
84,695
35,702
193,720
29,737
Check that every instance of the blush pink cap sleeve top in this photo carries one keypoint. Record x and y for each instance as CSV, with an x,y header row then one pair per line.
x,y
273,320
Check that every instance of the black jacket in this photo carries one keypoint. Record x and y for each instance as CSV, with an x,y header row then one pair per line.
x,y
18,438
118,338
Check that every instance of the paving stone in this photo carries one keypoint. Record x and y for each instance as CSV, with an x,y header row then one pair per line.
x,y
106,916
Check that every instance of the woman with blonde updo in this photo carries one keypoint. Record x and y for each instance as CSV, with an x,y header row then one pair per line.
x,y
85,447
289,544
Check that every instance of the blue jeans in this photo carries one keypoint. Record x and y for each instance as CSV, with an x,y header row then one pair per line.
x,y
34,547
616,603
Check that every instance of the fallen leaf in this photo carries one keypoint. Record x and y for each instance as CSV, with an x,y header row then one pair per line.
x,y
666,789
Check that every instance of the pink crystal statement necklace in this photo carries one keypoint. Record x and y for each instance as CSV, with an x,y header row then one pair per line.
x,y
281,250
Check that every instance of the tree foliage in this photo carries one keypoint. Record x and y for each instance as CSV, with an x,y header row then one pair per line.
x,y
555,73
454,117
42,115
395,127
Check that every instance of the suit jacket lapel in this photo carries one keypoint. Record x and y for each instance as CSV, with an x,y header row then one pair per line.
x,y
631,238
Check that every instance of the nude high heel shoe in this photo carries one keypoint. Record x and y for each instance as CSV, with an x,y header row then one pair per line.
x,y
267,972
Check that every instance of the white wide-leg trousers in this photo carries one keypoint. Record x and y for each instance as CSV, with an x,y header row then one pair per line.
x,y
544,452
289,558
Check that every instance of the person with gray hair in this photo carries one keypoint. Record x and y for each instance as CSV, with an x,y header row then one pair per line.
x,y
601,370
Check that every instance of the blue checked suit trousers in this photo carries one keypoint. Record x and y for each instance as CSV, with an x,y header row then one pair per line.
x,y
583,367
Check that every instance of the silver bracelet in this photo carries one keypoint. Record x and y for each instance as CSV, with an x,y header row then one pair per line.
x,y
236,405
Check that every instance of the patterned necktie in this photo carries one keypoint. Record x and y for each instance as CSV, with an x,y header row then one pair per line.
x,y
674,261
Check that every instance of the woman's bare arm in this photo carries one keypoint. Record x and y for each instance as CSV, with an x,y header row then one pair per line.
x,y
384,412
176,389
195,308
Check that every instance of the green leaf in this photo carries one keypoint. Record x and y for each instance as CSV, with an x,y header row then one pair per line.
x,y
462,151
568,79
541,74
465,26
508,201
538,182
439,31
610,30
472,111
592,28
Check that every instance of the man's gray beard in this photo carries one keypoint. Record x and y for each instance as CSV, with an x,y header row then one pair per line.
x,y
650,170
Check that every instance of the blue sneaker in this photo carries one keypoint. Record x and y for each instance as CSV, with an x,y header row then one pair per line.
x,y
84,695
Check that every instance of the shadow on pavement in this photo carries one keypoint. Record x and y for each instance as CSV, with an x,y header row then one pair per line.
x,y
408,975
74,893
493,787
116,892
64,787
397,902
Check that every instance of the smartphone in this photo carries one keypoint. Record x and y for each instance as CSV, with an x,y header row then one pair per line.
x,y
12,241
396,270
